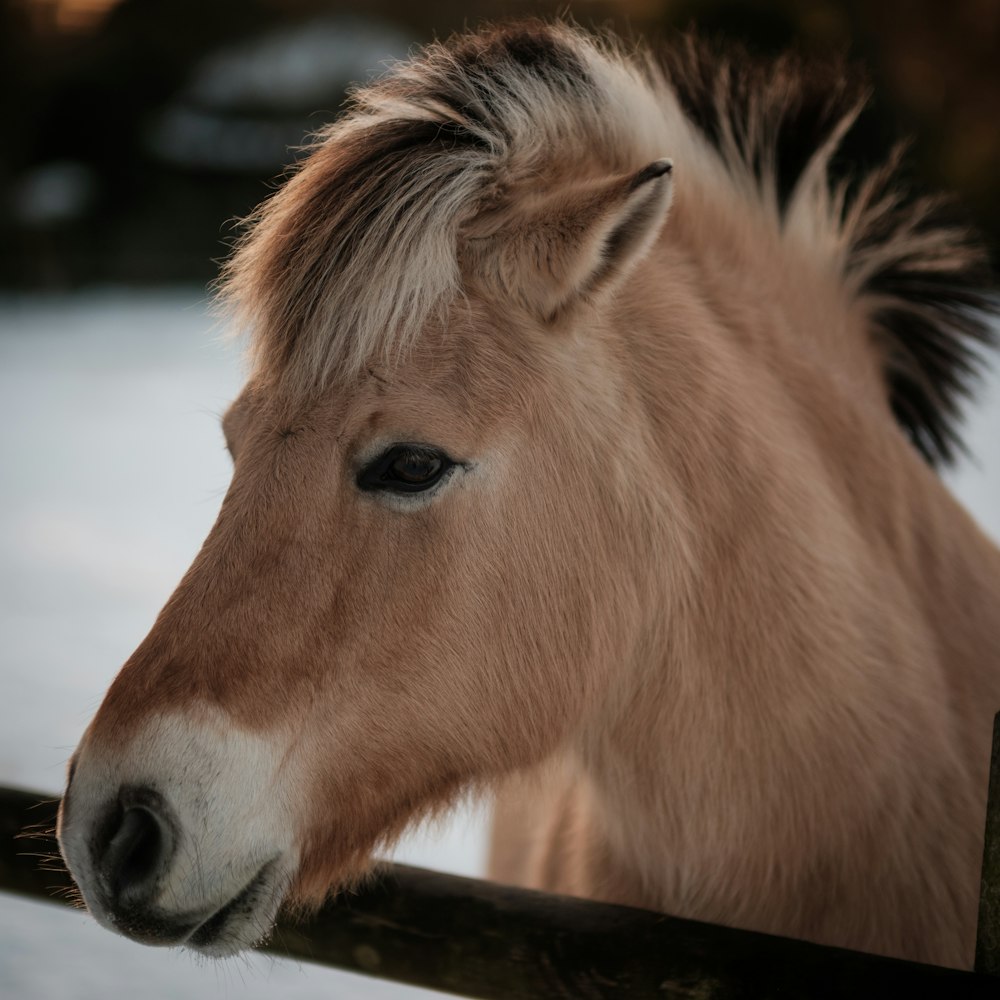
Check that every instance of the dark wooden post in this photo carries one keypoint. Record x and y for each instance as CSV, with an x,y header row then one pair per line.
x,y
988,933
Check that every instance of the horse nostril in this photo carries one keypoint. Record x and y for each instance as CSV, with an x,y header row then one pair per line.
x,y
138,845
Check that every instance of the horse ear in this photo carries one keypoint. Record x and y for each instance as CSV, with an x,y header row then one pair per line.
x,y
571,244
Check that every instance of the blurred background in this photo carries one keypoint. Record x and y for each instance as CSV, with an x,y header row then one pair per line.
x,y
136,131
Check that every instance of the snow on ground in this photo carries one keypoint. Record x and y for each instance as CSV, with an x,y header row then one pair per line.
x,y
113,469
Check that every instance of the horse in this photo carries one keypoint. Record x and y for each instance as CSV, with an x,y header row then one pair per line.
x,y
588,458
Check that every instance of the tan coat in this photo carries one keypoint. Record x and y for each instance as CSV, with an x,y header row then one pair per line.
x,y
687,597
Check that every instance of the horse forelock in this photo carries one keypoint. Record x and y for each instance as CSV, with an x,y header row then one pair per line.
x,y
360,250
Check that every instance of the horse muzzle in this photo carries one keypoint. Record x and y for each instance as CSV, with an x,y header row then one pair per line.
x,y
175,858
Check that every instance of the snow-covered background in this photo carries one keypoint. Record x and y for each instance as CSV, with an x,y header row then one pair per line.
x,y
113,467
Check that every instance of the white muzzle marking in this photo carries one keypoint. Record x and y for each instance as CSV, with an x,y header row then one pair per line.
x,y
186,837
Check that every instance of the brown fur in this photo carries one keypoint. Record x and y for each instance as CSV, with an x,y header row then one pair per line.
x,y
698,607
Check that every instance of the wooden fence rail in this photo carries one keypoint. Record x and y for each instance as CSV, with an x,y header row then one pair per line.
x,y
479,939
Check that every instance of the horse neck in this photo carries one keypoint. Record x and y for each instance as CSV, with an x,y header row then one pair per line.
x,y
802,640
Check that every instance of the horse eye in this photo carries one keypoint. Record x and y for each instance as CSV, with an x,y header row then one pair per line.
x,y
405,468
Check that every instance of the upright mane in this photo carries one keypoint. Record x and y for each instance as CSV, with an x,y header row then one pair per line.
x,y
362,247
